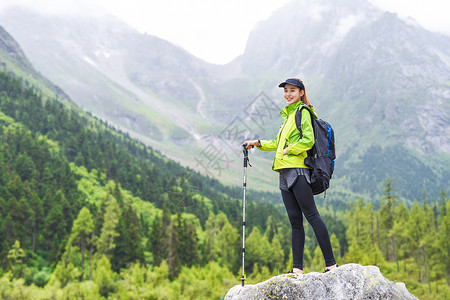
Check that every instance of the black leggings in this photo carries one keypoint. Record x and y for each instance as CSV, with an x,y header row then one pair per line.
x,y
299,199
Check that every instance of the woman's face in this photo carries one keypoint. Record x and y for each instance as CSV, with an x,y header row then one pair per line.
x,y
292,93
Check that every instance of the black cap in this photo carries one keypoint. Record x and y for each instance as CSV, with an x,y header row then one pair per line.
x,y
294,82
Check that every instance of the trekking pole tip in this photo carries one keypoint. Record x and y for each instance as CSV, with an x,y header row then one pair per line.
x,y
243,280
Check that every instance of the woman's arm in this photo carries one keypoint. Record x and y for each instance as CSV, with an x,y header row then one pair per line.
x,y
262,144
268,145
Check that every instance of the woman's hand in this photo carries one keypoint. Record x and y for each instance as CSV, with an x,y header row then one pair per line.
x,y
250,144
284,151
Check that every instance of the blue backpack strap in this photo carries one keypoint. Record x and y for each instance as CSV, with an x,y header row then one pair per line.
x,y
329,139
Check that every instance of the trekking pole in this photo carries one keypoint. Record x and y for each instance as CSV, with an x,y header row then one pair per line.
x,y
246,162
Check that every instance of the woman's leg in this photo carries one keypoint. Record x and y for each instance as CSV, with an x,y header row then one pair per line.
x,y
305,199
298,233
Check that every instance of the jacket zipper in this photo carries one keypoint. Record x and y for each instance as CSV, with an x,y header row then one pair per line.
x,y
279,136
281,132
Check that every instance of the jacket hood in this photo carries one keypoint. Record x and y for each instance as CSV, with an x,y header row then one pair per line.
x,y
288,109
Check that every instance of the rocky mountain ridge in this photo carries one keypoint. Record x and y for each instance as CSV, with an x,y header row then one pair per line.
x,y
111,70
14,58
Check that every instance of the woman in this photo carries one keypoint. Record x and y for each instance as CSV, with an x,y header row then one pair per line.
x,y
290,153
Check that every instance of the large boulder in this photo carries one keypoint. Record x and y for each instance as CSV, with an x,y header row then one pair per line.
x,y
351,281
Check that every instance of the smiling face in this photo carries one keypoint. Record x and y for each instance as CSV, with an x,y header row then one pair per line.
x,y
292,93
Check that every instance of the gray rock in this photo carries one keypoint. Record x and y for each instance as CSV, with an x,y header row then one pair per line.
x,y
351,281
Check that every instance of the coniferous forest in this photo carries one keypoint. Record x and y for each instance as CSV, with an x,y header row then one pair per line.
x,y
86,212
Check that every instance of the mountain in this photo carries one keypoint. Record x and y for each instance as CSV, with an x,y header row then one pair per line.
x,y
143,83
12,51
156,91
381,81
85,140
51,151
13,59
370,70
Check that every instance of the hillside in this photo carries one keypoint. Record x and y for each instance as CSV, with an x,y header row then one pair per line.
x,y
68,178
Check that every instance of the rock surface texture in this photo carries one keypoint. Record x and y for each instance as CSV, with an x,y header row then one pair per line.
x,y
351,281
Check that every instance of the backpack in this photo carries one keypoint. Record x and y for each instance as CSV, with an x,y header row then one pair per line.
x,y
321,156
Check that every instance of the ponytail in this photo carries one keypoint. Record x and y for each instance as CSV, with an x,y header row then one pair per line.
x,y
304,97
306,100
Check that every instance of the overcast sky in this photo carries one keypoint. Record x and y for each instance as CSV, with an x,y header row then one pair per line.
x,y
180,21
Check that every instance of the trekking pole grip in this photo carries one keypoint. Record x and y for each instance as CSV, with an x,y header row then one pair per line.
x,y
246,160
245,157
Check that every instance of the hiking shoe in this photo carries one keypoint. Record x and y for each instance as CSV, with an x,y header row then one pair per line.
x,y
328,270
292,272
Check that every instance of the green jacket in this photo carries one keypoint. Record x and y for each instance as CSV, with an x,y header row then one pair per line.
x,y
289,137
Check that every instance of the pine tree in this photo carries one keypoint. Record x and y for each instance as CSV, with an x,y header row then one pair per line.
x,y
25,167
208,249
16,256
317,262
276,262
362,232
386,215
361,228
444,244
104,276
421,233
229,241
271,226
54,231
105,242
173,259
159,237
36,217
66,210
443,200
335,245
81,234
257,250
188,243
428,243
402,240
128,241
71,266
